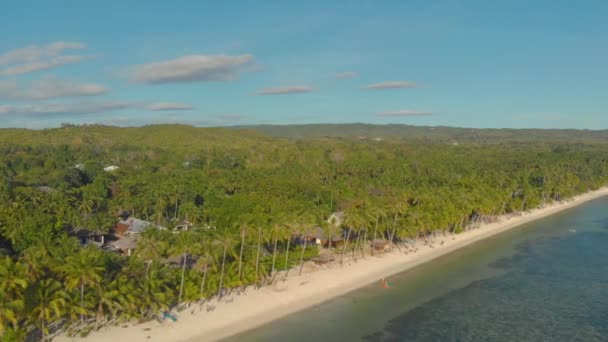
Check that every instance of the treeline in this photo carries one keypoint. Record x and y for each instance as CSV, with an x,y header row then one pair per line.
x,y
249,198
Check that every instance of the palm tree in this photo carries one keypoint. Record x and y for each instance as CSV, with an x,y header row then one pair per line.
x,y
12,276
107,300
10,309
152,245
243,233
257,254
397,209
47,303
275,232
203,263
224,242
203,249
82,270
305,231
289,236
344,245
182,246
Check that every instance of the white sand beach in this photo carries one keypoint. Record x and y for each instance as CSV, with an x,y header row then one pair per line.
x,y
237,313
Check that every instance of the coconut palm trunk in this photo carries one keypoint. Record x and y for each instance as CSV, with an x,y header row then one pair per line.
x,y
344,246
241,253
274,255
392,236
148,263
302,256
219,290
43,326
203,283
363,244
99,314
181,285
257,255
375,232
356,245
287,258
82,300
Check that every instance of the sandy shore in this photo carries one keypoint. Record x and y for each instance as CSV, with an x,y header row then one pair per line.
x,y
238,313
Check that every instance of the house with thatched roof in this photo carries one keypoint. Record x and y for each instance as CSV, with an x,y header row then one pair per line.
x,y
381,245
125,245
312,237
317,236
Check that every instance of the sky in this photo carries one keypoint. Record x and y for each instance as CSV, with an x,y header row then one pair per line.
x,y
468,63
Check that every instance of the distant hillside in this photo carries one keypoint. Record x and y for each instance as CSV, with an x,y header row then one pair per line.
x,y
393,131
186,137
151,136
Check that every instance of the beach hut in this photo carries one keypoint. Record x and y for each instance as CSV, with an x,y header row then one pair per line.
x,y
318,237
314,237
381,245
126,245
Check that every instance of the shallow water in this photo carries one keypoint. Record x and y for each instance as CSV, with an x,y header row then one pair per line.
x,y
537,282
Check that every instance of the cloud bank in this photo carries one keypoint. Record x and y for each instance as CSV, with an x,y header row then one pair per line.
x,y
52,109
285,90
47,88
195,68
161,106
39,57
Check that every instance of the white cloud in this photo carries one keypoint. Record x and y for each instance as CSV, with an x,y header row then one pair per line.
x,y
285,90
42,65
48,88
169,106
39,57
391,85
403,112
34,52
52,109
345,74
195,68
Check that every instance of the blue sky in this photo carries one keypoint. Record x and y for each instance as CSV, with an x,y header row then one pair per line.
x,y
462,63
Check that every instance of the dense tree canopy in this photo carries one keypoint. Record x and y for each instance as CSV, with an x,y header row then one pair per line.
x,y
248,197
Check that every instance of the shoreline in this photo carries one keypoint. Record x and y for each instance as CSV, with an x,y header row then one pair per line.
x,y
239,313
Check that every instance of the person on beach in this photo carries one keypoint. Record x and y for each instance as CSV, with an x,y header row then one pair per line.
x,y
386,284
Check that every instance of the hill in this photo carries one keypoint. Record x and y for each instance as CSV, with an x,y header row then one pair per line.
x,y
440,133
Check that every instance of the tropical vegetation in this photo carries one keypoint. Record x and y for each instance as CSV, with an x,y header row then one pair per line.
x,y
249,196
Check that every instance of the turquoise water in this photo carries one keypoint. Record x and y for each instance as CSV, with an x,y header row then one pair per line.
x,y
537,282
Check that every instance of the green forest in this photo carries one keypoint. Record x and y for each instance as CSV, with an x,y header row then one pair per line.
x,y
250,195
